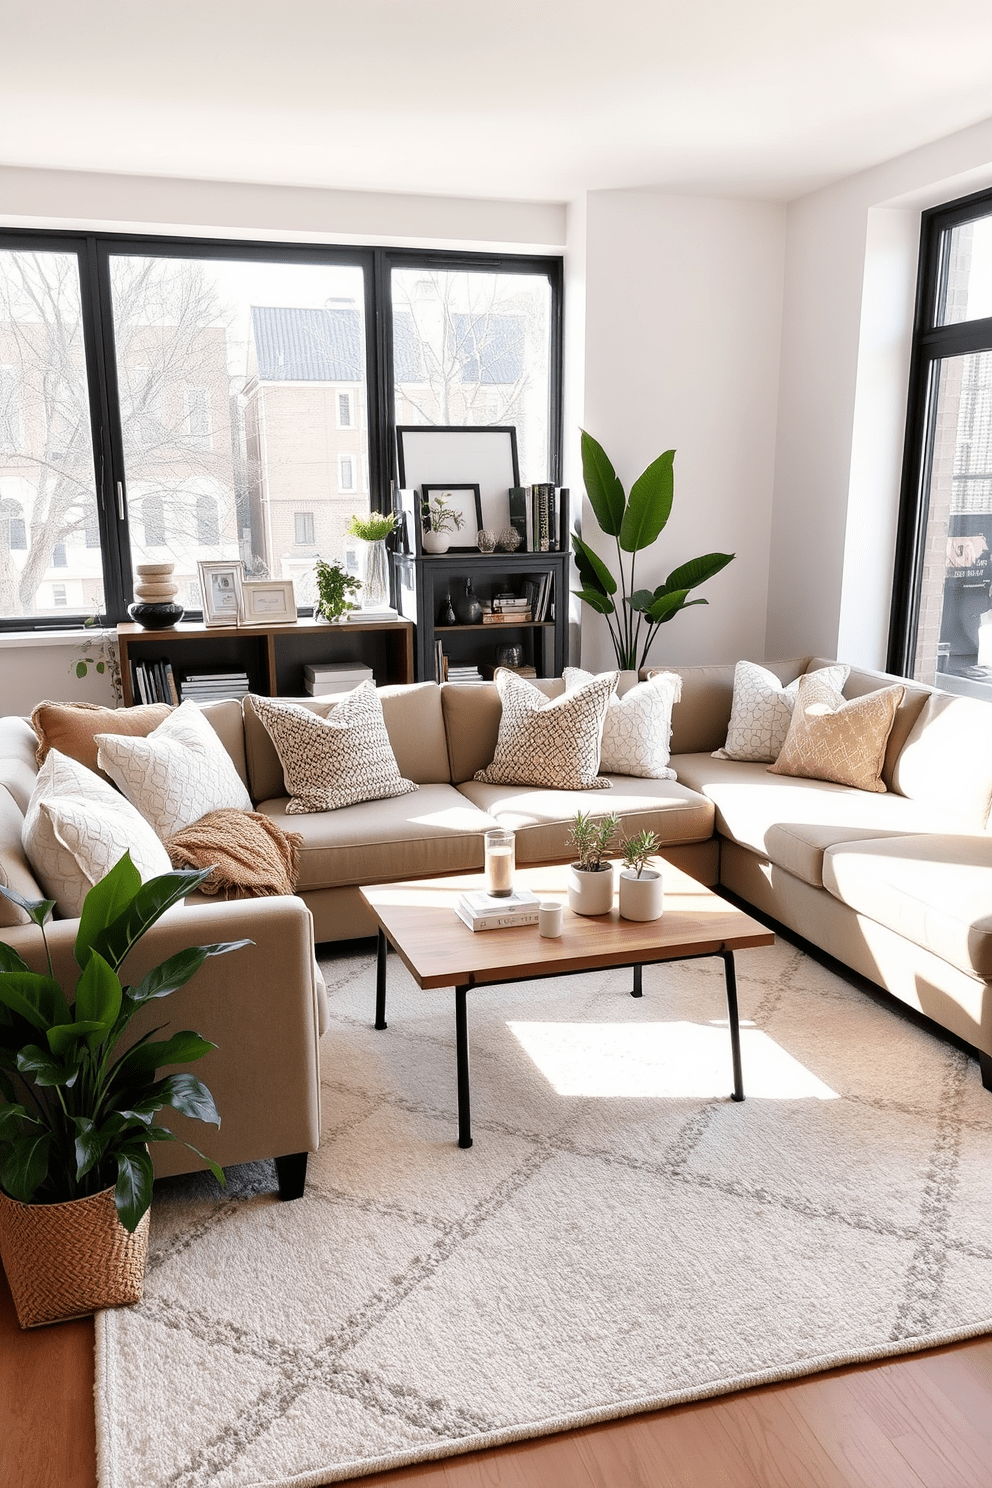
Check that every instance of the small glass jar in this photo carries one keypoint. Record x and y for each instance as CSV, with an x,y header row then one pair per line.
x,y
500,862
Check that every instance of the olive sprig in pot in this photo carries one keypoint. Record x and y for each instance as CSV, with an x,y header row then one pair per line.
x,y
590,878
641,891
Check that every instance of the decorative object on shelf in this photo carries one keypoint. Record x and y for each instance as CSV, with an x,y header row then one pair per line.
x,y
220,584
373,530
486,541
500,862
155,592
452,510
635,522
590,879
641,888
510,656
508,540
99,651
468,609
436,543
430,452
447,614
334,586
268,602
74,1163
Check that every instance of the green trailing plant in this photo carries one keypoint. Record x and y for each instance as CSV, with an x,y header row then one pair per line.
x,y
635,522
99,651
77,1111
591,837
440,517
637,850
371,527
334,585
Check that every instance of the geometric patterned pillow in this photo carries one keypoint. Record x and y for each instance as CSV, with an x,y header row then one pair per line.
x,y
638,728
833,739
554,742
762,711
336,761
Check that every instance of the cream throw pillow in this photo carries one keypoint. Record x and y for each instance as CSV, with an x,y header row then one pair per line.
x,y
175,775
336,761
637,733
551,742
77,827
762,711
831,739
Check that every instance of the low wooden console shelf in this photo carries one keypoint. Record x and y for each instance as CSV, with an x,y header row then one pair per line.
x,y
272,655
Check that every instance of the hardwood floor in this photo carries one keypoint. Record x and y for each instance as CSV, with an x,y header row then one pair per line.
x,y
920,1422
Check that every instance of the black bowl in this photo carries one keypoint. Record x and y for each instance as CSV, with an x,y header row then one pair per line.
x,y
156,616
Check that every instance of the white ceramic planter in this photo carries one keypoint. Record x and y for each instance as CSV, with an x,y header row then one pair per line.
x,y
590,893
436,542
641,898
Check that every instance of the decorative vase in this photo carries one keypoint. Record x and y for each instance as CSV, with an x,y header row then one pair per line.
x,y
641,898
447,615
436,542
486,540
468,609
590,893
508,540
68,1260
375,587
155,592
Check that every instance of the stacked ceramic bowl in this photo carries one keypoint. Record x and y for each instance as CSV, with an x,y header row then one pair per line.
x,y
155,591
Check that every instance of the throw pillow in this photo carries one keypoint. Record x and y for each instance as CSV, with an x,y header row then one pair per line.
x,y
71,728
250,855
638,728
833,739
77,827
762,711
177,774
551,742
336,761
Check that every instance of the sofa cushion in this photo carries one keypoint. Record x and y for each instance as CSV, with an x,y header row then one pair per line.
x,y
550,742
832,738
761,712
792,821
472,712
15,870
71,728
947,760
414,723
935,890
860,681
638,725
701,716
543,819
436,830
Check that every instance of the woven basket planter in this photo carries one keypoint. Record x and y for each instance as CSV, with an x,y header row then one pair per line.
x,y
68,1260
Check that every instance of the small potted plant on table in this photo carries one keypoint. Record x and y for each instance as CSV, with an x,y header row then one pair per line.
x,y
590,879
641,891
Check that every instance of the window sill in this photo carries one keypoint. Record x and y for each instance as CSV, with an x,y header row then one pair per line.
x,y
18,638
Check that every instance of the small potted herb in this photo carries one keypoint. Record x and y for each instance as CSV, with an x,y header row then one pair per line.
x,y
641,892
441,522
590,878
334,586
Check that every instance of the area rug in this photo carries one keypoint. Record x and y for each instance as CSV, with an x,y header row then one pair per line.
x,y
621,1236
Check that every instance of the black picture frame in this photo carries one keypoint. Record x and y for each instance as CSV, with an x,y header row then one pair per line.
x,y
482,454
465,498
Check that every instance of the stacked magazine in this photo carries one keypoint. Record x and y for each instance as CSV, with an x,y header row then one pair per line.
x,y
481,910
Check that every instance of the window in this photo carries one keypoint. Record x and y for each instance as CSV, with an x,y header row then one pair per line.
x,y
942,612
59,559
59,595
249,402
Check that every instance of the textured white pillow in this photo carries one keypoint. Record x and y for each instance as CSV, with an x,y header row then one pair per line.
x,y
637,733
762,711
340,760
77,827
551,742
175,775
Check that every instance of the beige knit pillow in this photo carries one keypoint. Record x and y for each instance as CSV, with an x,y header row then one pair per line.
x,y
832,739
553,742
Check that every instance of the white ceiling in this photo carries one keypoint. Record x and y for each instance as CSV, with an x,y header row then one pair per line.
x,y
534,99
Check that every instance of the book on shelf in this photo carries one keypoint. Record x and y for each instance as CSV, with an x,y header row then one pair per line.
x,y
519,505
152,681
506,617
334,677
383,612
458,673
479,910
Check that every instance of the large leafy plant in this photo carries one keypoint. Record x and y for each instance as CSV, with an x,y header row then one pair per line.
x,y
635,522
80,1111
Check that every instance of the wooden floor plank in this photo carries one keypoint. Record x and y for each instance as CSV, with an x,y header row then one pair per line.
x,y
775,1440
843,1424
927,1427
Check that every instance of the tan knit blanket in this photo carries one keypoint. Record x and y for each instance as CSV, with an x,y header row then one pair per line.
x,y
252,857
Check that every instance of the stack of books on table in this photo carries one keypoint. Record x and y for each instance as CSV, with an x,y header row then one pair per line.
x,y
456,672
331,677
479,910
384,612
211,687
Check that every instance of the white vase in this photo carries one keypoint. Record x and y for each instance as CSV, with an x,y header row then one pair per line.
x,y
590,893
641,898
436,542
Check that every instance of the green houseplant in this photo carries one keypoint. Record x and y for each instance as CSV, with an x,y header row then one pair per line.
x,y
372,528
77,1102
635,522
589,879
641,894
334,586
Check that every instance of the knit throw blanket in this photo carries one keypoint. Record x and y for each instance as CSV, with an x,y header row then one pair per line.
x,y
251,856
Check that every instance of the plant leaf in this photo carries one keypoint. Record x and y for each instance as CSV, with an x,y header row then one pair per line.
x,y
666,605
601,603
98,997
10,1117
81,667
697,571
133,1190
140,1064
178,969
37,910
649,505
64,1035
641,599
25,1166
45,1070
185,1093
10,960
602,486
90,1145
592,570
37,998
148,905
104,903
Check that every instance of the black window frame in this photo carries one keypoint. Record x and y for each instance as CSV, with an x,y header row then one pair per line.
x,y
94,251
931,343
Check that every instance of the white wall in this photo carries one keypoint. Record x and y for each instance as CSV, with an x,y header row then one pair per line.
x,y
33,668
683,325
851,262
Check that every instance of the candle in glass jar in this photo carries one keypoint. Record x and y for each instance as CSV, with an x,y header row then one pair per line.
x,y
500,858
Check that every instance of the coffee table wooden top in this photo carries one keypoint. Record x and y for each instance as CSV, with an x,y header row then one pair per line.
x,y
419,920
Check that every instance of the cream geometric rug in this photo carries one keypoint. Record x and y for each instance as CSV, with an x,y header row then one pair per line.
x,y
621,1236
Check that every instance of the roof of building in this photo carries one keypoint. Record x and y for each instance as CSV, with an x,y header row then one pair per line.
x,y
303,345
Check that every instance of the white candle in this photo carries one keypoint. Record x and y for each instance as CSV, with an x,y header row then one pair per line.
x,y
499,870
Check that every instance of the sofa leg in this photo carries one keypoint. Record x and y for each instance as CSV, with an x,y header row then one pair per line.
x,y
985,1065
292,1174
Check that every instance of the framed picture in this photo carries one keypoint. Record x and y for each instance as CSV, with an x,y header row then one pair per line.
x,y
467,502
220,585
428,454
269,602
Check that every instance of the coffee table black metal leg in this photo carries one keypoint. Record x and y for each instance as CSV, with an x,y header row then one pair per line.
x,y
380,981
461,1044
637,990
735,1031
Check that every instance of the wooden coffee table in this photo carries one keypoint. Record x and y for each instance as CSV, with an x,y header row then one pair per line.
x,y
418,919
